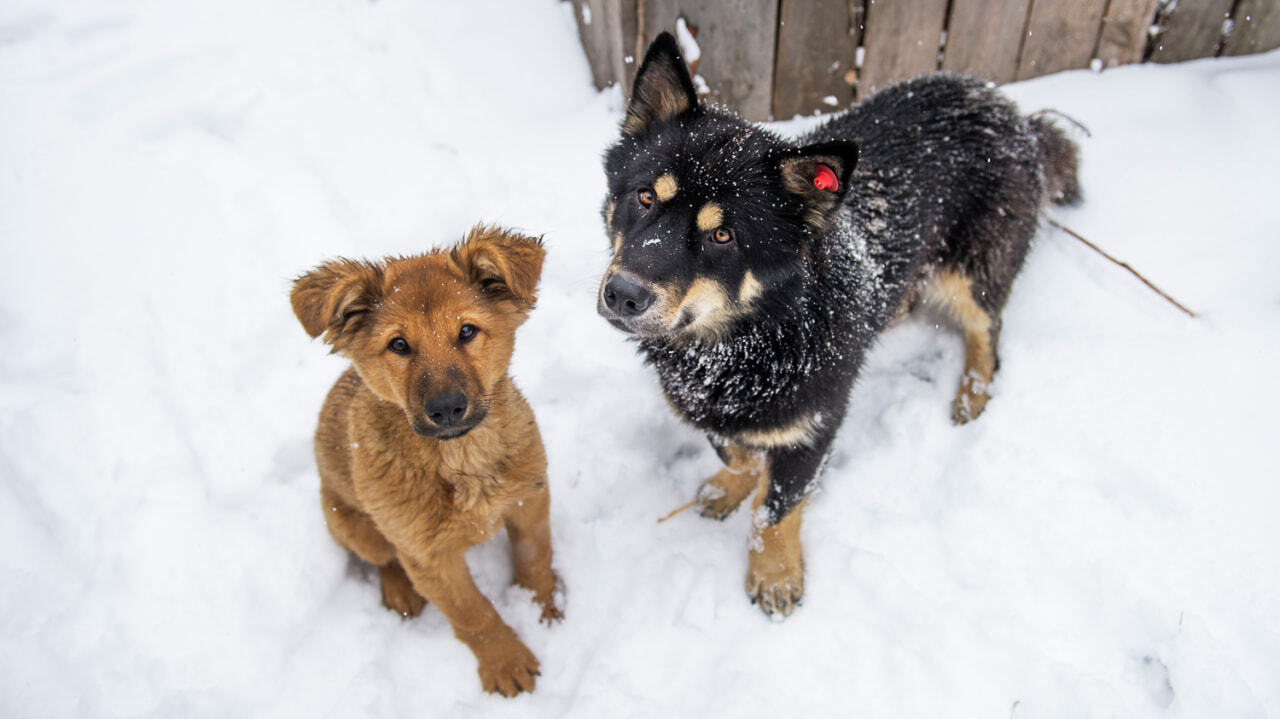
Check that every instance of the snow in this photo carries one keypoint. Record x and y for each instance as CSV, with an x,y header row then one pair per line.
x,y
1101,542
688,45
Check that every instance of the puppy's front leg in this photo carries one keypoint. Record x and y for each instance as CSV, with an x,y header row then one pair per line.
x,y
775,563
506,665
529,528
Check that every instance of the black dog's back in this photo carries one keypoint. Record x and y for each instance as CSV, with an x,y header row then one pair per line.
x,y
948,188
951,175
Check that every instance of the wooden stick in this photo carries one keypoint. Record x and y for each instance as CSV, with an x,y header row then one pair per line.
x,y
1125,265
676,511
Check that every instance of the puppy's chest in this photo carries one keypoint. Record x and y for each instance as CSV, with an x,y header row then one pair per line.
x,y
454,492
477,480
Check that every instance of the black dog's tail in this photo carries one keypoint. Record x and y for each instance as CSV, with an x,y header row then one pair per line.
x,y
1060,158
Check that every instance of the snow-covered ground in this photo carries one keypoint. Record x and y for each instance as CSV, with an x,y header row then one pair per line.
x,y
1102,542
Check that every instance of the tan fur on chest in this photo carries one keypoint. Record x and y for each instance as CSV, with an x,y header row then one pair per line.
x,y
451,492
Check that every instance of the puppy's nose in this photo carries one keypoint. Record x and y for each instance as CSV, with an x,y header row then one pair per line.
x,y
447,409
626,297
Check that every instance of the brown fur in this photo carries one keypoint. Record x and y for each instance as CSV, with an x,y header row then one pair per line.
x,y
952,292
399,490
775,561
709,217
657,102
665,187
720,495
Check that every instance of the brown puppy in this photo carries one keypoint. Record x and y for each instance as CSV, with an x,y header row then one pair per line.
x,y
424,445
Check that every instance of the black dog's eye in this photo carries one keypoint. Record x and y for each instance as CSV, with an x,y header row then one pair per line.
x,y
645,198
722,236
399,346
467,333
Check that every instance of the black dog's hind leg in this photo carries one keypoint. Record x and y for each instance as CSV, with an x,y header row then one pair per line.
x,y
952,291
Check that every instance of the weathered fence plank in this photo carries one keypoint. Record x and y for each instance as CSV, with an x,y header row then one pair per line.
x,y
1256,28
984,37
1060,36
1125,31
901,41
737,47
603,39
1191,30
816,44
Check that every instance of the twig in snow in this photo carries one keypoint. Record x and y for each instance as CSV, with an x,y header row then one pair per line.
x,y
1125,265
676,511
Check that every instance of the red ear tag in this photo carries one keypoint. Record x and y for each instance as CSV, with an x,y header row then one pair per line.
x,y
824,178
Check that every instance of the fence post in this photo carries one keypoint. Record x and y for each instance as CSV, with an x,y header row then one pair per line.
x,y
901,40
1256,28
817,40
1191,30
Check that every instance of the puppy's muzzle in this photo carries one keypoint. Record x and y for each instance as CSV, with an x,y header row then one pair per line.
x,y
446,417
447,410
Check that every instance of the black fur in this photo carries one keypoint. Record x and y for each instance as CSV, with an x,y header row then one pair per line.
x,y
937,173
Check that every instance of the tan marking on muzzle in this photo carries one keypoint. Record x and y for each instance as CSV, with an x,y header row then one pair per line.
x,y
709,306
665,187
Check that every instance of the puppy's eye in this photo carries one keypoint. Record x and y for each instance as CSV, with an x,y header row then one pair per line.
x,y
722,236
645,197
399,346
467,333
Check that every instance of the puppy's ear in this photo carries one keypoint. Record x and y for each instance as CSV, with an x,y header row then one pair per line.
x,y
663,88
819,175
505,265
336,298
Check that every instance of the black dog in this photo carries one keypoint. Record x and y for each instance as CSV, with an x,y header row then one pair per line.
x,y
756,272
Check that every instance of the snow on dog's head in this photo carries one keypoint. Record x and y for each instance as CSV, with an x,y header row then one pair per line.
x,y
706,213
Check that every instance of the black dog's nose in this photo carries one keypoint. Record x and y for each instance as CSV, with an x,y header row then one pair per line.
x,y
447,409
626,297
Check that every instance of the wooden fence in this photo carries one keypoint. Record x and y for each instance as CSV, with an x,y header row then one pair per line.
x,y
779,58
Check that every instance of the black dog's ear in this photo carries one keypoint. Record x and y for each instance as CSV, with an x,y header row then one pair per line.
x,y
663,88
819,175
335,298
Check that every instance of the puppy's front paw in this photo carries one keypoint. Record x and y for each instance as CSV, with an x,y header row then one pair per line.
x,y
550,611
551,614
509,669
398,593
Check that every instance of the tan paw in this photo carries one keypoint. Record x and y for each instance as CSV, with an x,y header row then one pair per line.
x,y
508,670
970,400
776,597
550,612
720,496
398,593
